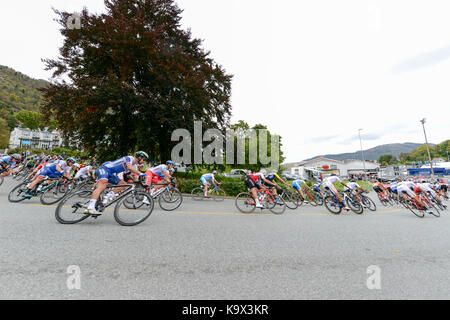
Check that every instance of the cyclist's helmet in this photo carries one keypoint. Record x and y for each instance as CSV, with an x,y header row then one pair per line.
x,y
76,165
352,180
214,172
333,174
16,156
71,159
264,172
170,162
142,154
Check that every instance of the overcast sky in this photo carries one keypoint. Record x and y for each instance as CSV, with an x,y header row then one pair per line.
x,y
313,71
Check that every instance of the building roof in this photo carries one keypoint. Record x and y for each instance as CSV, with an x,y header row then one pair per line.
x,y
320,159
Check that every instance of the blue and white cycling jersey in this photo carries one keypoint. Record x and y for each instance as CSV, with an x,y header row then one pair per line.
x,y
297,184
207,176
316,186
393,186
109,170
5,160
119,165
159,170
50,171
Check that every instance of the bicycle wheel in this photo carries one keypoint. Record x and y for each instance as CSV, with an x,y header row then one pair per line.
x,y
170,200
412,207
312,200
319,200
16,194
300,199
245,203
354,205
131,217
368,203
332,205
218,195
70,209
51,195
277,207
432,209
134,201
197,194
290,200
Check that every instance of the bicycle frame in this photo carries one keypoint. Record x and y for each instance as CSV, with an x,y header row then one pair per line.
x,y
129,188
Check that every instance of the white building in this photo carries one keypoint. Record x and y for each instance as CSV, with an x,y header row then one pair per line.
x,y
341,168
39,139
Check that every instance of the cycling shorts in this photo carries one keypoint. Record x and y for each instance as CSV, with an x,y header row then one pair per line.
x,y
103,173
50,172
249,183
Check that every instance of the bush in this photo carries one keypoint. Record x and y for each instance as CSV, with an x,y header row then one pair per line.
x,y
232,186
54,152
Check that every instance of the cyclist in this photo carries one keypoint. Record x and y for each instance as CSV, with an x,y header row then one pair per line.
x,y
208,177
84,173
379,188
107,173
393,188
317,187
329,184
253,182
51,170
405,189
428,189
297,185
354,188
7,163
159,173
442,187
271,177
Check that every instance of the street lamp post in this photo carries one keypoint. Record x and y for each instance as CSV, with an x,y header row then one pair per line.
x,y
428,149
362,153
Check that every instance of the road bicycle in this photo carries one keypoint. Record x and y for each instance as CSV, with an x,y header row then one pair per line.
x,y
415,207
245,203
291,199
139,206
333,205
48,189
366,202
309,197
169,197
2,178
384,199
216,193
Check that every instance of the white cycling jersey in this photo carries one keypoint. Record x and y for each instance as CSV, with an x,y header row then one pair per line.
x,y
353,186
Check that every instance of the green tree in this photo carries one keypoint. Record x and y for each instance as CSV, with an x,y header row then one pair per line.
x,y
136,76
4,134
387,159
30,119
244,128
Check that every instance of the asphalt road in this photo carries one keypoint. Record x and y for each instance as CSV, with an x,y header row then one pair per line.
x,y
207,250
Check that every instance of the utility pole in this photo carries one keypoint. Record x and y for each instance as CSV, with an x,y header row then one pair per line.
x,y
428,149
362,153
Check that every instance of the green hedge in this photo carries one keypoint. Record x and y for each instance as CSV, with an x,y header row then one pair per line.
x,y
232,186
54,152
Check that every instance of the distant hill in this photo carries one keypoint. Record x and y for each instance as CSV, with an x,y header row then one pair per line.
x,y
374,153
18,91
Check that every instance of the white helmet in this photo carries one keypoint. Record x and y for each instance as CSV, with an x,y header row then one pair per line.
x,y
76,165
264,172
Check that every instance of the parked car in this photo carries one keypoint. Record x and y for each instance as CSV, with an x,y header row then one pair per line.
x,y
237,173
290,176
